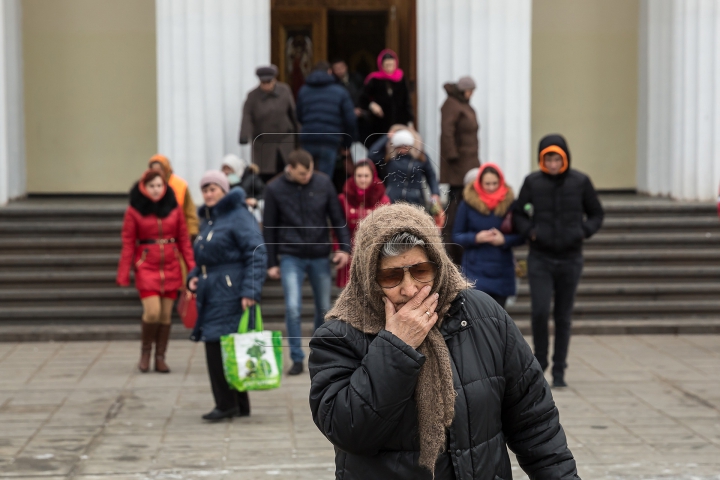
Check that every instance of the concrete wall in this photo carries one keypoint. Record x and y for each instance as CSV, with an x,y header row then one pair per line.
x,y
90,93
585,84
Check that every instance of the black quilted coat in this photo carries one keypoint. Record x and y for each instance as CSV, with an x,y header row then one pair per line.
x,y
362,400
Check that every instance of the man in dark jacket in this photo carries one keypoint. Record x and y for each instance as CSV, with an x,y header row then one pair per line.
x,y
327,115
298,205
557,209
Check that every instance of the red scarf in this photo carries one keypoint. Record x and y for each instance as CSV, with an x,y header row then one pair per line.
x,y
491,199
369,197
396,76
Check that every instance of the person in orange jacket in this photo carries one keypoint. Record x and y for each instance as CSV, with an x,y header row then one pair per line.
x,y
182,194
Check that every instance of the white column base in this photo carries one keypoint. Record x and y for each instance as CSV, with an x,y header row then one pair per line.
x,y
12,118
490,40
207,53
679,107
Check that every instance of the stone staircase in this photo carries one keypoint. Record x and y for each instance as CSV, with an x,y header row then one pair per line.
x,y
654,267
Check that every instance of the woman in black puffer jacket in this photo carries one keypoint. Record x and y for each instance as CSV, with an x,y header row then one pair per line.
x,y
415,374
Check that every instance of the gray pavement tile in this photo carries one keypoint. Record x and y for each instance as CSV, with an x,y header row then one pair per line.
x,y
637,407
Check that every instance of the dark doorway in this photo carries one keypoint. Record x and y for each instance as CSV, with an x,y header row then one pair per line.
x,y
357,38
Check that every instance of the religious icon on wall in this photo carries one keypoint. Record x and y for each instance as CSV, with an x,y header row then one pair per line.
x,y
298,57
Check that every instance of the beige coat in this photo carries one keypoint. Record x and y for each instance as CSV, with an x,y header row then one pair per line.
x,y
269,113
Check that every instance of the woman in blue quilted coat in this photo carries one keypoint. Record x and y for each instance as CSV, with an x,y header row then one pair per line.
x,y
488,259
231,261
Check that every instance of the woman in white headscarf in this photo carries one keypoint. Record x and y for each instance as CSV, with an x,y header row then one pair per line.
x,y
242,174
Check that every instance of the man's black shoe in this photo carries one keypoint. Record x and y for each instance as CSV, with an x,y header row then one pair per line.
x,y
296,369
218,414
559,381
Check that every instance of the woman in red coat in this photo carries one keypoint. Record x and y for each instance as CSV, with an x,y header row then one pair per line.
x,y
362,193
154,237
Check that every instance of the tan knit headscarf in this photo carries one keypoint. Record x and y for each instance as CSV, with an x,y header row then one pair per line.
x,y
361,305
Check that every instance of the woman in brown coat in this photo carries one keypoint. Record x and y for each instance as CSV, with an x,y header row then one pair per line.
x,y
459,148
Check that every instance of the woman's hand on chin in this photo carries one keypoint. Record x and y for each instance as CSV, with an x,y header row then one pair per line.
x,y
412,322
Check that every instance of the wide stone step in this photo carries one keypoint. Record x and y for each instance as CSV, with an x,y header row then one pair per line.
x,y
709,223
629,257
112,313
675,240
116,295
75,227
61,244
632,309
611,292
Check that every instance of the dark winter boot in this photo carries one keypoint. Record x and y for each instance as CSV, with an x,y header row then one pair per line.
x,y
149,331
163,336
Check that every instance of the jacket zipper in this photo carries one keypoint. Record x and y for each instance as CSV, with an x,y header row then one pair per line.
x,y
162,257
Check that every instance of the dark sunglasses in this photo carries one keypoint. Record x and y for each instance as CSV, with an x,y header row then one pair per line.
x,y
392,277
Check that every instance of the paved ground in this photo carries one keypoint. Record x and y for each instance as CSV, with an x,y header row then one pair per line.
x,y
639,407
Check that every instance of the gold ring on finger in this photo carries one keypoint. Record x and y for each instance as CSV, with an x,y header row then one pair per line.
x,y
428,313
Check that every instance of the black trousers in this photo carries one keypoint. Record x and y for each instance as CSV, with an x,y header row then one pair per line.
x,y
546,276
454,251
225,397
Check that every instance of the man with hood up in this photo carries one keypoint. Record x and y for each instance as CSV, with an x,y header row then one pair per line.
x,y
327,115
557,209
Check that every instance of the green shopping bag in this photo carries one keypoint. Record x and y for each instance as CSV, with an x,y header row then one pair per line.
x,y
252,360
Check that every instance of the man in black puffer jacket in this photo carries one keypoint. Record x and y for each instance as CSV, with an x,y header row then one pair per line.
x,y
557,209
298,204
327,115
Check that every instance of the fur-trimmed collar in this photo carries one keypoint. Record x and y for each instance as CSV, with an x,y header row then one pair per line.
x,y
145,206
471,197
232,201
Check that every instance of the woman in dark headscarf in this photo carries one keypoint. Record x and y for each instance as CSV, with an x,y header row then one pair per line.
x,y
416,375
386,95
363,192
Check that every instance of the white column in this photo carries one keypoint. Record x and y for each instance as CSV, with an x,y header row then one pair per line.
x,y
207,52
12,121
679,107
490,40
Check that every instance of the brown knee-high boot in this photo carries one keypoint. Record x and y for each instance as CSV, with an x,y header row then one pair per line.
x,y
149,332
161,343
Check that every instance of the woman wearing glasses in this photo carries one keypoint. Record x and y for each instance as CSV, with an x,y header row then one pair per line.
x,y
416,375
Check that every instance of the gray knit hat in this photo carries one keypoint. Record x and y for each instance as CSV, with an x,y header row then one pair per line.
x,y
466,83
217,177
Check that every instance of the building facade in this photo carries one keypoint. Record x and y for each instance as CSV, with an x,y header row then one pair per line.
x,y
92,88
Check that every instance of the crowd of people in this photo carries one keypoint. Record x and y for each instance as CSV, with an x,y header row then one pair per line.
x,y
295,210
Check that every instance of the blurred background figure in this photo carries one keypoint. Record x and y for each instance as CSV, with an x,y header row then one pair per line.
x,y
300,207
409,169
363,192
327,115
269,109
386,95
154,239
352,82
488,258
231,262
557,210
242,174
459,151
182,194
